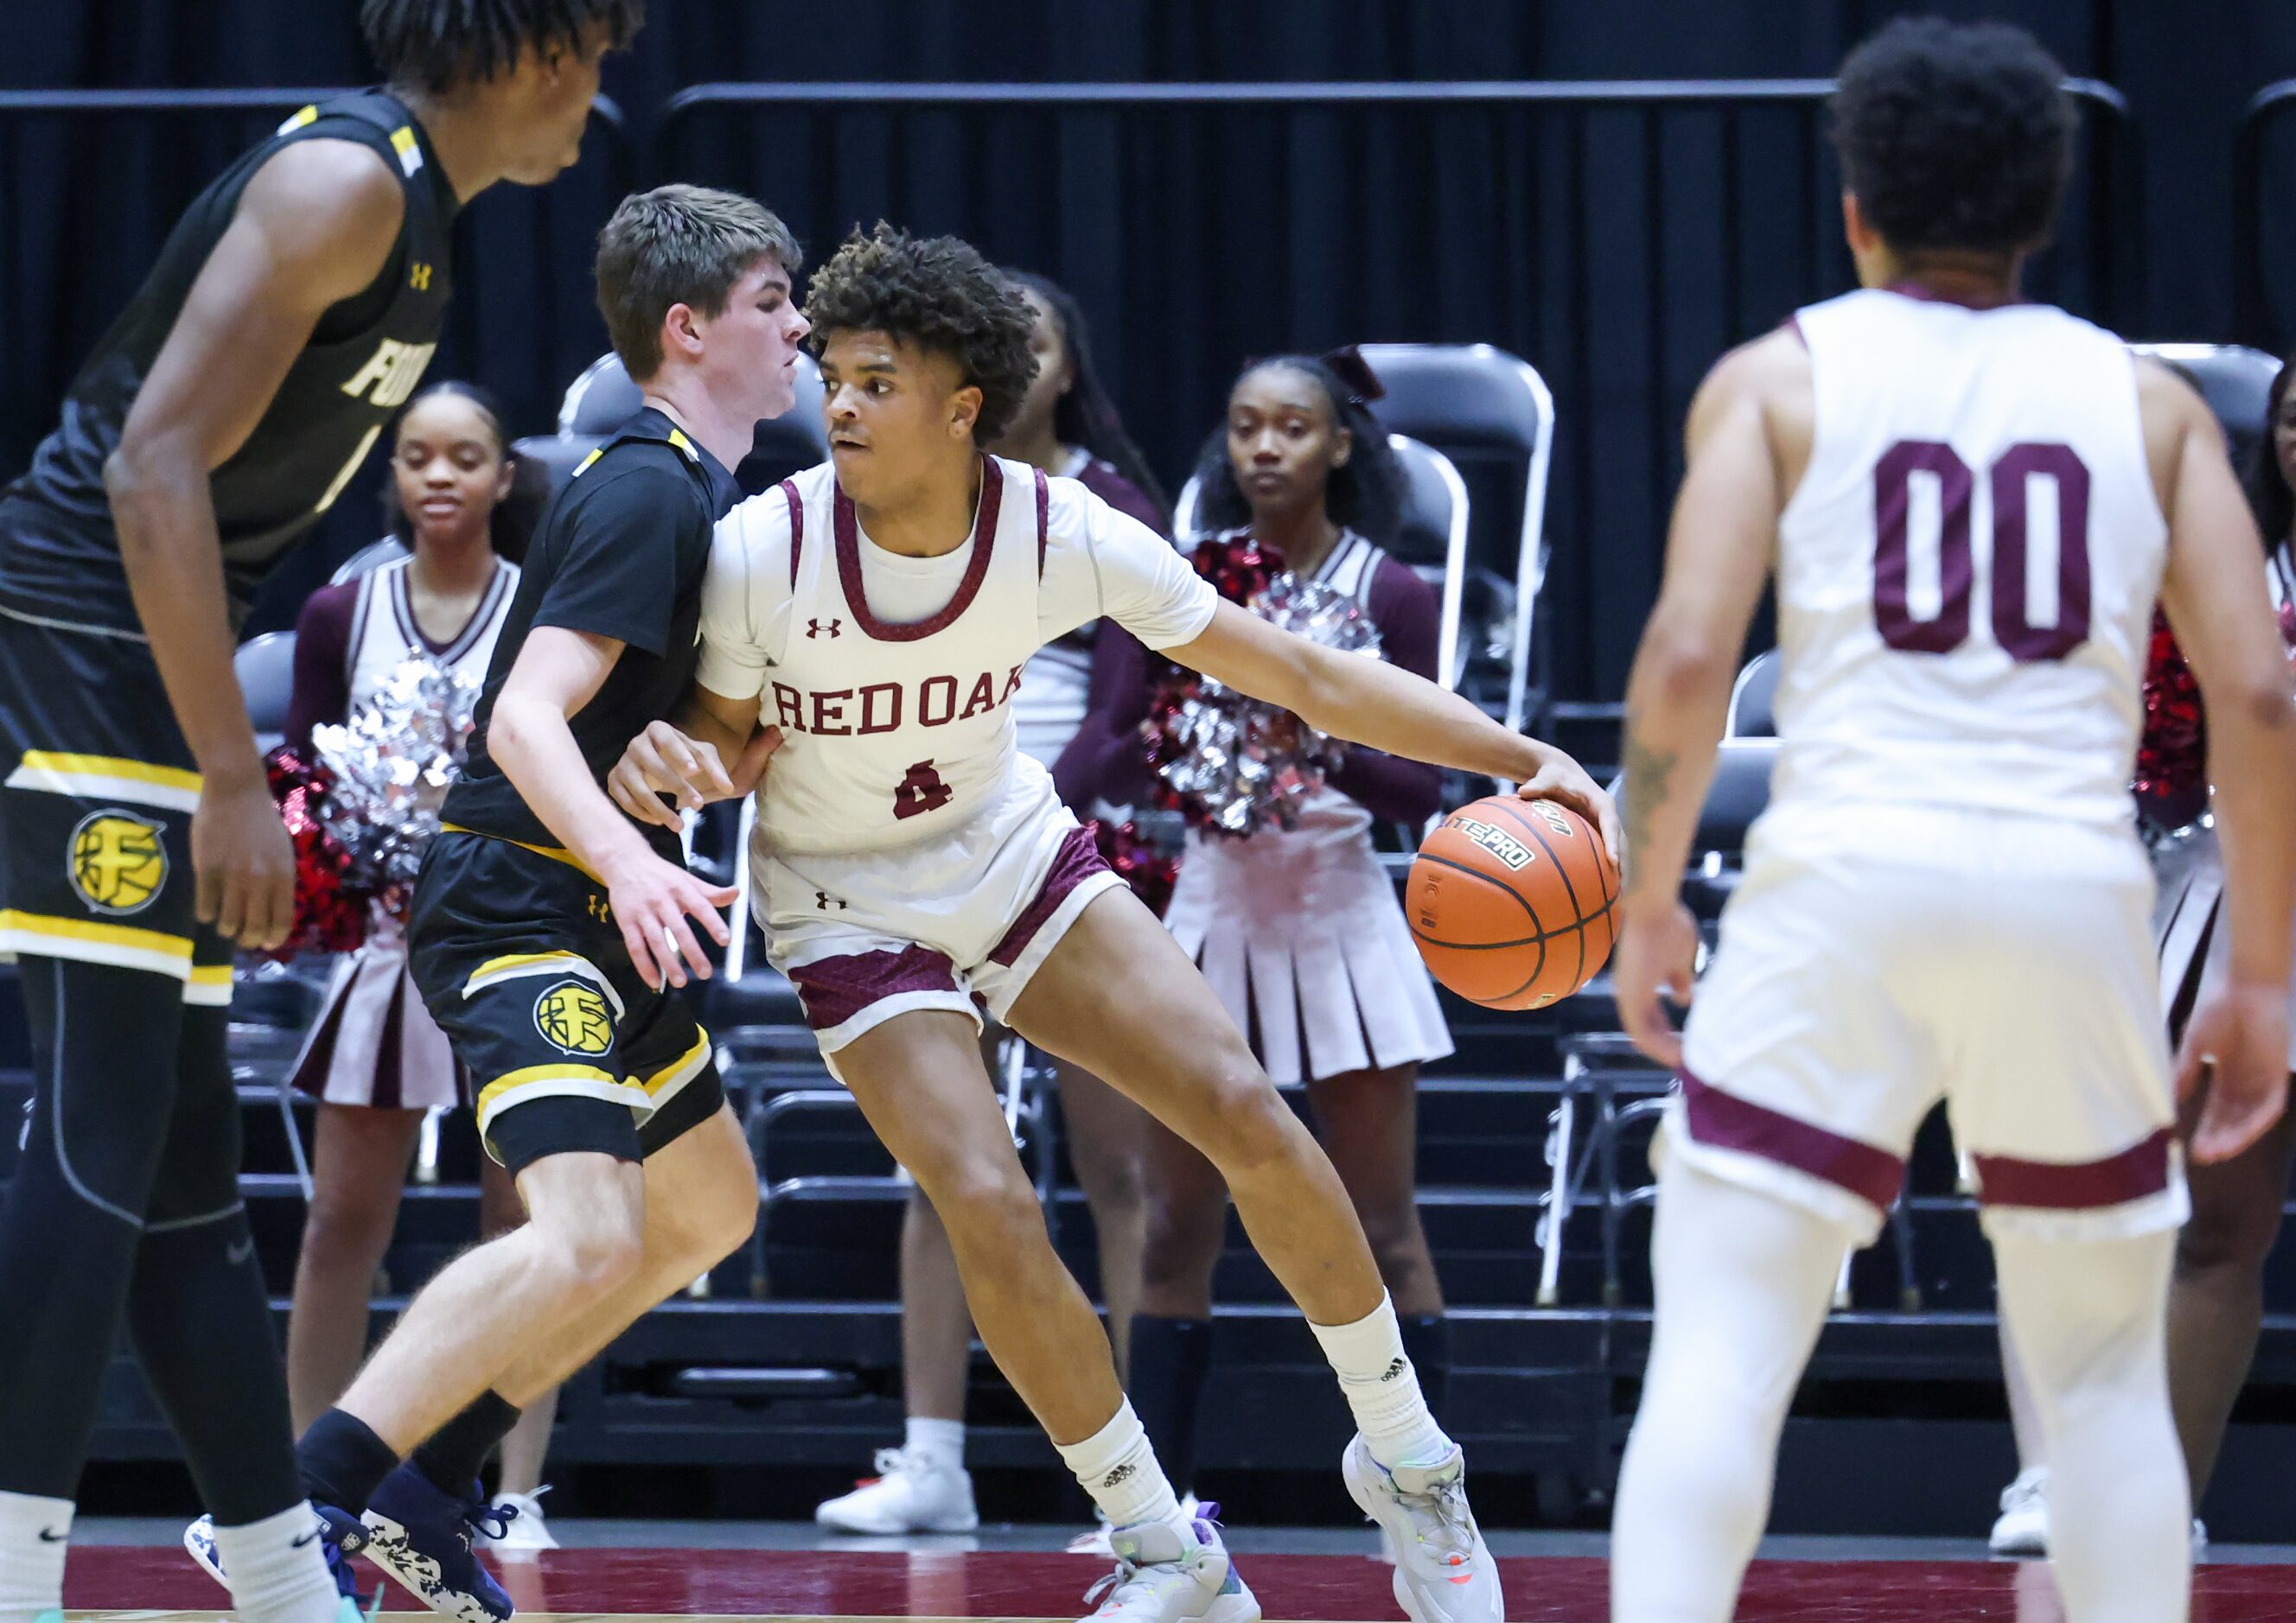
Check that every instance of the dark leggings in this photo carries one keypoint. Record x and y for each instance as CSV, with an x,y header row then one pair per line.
x,y
126,1209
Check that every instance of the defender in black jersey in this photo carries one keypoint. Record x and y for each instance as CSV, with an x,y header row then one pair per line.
x,y
289,315
550,932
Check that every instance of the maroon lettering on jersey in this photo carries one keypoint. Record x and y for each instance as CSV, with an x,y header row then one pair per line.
x,y
826,710
983,699
890,693
936,694
922,790
789,704
1012,686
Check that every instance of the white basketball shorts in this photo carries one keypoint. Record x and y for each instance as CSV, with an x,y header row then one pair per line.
x,y
1877,959
960,920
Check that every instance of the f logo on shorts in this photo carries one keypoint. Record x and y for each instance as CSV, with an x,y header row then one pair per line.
x,y
571,1016
117,863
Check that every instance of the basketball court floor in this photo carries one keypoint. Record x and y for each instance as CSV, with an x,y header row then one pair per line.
x,y
730,1572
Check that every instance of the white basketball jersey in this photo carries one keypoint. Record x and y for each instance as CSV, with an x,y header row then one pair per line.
x,y
384,635
895,733
1967,572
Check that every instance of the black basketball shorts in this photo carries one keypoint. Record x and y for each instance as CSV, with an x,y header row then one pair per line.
x,y
97,789
519,962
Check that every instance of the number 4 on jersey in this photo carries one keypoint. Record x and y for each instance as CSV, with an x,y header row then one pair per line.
x,y
921,792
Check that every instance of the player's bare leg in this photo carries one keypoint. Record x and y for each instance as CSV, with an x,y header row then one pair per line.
x,y
1119,999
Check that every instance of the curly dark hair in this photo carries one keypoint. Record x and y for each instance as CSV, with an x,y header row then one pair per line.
x,y
940,294
1365,493
1954,135
436,44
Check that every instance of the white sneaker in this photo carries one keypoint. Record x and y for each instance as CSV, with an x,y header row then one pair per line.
x,y
1096,1541
1162,1577
526,1529
911,1493
2022,1528
1444,1572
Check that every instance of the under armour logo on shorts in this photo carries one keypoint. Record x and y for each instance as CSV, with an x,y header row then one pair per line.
x,y
813,628
823,902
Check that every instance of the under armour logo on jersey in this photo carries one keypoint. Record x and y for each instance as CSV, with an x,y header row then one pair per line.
x,y
823,902
813,628
419,279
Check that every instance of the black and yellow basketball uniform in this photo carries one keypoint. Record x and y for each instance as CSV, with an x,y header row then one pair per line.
x,y
125,1210
97,786
510,938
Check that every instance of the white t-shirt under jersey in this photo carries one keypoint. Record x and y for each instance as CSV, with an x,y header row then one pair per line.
x,y
896,709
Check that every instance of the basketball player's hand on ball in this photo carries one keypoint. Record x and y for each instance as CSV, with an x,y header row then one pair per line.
x,y
1559,777
1657,953
2239,1035
245,863
650,899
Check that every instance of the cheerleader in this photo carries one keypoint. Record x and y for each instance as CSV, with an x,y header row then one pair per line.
x,y
1300,931
1067,426
465,506
2216,1292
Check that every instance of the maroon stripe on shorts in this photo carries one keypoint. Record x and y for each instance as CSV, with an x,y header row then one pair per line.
x,y
2140,1170
797,524
834,991
1728,1122
1076,861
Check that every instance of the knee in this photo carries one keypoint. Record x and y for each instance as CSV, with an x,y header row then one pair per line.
x,y
596,1254
1244,1125
1394,1235
340,1232
988,1208
2225,1235
1180,1243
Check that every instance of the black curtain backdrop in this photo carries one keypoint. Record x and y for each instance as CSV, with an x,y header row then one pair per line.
x,y
1617,250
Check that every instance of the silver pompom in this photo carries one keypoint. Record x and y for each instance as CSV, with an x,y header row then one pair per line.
x,y
392,762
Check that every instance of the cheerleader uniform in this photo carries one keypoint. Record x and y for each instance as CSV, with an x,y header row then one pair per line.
x,y
2195,949
1299,930
373,1042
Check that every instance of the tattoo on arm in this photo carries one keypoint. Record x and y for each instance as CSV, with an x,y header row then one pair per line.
x,y
1649,774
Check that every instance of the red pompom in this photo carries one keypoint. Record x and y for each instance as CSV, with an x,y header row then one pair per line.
x,y
2172,755
1137,861
1238,566
330,911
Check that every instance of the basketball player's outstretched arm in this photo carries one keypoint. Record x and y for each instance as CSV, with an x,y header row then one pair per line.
x,y
558,671
1369,701
315,226
711,749
1717,555
2214,596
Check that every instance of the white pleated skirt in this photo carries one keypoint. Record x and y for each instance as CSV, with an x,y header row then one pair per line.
x,y
374,1044
1302,937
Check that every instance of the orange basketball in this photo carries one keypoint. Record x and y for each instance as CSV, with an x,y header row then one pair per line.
x,y
1513,901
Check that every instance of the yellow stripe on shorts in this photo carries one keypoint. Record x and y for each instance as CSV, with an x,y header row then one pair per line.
x,y
43,935
679,1071
545,1081
209,985
107,777
516,966
555,853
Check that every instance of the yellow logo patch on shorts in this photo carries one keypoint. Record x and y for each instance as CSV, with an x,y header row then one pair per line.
x,y
570,1015
117,863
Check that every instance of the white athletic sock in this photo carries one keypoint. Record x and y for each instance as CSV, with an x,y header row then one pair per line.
x,y
940,1441
1743,1279
2089,1318
1382,1389
277,1569
32,1534
1120,1471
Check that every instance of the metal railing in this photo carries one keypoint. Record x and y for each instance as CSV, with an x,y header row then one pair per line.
x,y
2258,321
1618,235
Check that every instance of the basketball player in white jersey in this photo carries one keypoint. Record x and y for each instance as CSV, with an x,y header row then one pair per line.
x,y
912,867
1969,505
